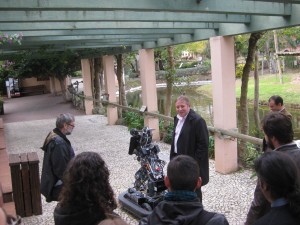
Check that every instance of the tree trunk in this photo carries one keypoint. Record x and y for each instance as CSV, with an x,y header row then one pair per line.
x,y
276,56
256,95
267,52
244,91
63,89
122,94
97,87
54,91
169,82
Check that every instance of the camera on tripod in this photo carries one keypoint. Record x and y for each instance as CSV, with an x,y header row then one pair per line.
x,y
149,188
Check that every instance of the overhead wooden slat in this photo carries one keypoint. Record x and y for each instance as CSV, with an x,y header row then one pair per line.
x,y
75,33
103,25
115,25
213,6
118,15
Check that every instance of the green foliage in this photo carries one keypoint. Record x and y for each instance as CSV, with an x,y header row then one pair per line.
x,y
239,70
241,44
252,153
133,120
187,64
211,147
77,73
10,39
26,65
169,133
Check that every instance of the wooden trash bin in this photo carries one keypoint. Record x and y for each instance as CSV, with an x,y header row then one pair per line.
x,y
26,183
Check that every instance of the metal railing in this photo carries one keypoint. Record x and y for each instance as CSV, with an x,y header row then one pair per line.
x,y
222,133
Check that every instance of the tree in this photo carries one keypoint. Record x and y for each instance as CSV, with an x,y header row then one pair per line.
x,y
119,73
244,129
276,56
256,95
170,77
59,66
96,72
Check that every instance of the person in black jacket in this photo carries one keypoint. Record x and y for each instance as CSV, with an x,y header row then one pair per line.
x,y
58,152
277,174
181,204
86,197
279,135
190,137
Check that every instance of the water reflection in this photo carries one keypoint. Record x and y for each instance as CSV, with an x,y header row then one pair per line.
x,y
203,105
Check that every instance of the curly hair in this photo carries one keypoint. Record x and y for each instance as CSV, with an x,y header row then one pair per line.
x,y
278,125
86,183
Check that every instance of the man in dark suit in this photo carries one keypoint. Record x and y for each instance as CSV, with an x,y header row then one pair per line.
x,y
190,137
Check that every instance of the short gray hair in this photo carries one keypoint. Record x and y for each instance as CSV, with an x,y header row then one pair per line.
x,y
64,118
184,99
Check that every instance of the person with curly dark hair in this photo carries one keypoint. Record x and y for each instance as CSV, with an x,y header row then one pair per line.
x,y
277,176
86,197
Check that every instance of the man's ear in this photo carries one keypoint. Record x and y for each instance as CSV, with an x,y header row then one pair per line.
x,y
263,185
199,183
167,182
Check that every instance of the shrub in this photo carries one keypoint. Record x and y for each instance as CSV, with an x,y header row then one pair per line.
x,y
133,120
169,133
211,147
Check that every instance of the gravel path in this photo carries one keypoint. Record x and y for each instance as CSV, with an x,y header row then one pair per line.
x,y
228,194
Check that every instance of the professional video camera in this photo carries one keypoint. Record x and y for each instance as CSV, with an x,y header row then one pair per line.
x,y
149,187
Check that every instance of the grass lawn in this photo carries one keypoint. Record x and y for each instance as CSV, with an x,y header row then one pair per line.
x,y
268,85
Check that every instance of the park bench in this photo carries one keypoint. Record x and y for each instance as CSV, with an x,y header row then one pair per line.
x,y
19,181
33,90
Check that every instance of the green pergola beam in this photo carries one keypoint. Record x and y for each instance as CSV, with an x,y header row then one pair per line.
x,y
212,6
134,31
132,25
95,37
118,15
103,25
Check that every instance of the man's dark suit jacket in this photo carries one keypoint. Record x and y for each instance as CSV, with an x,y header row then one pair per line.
x,y
193,141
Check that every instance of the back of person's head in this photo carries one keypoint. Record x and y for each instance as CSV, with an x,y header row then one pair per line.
x,y
112,220
277,99
64,118
278,125
183,173
86,183
279,171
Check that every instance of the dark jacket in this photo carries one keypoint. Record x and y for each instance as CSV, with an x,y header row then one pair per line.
x,y
57,154
182,213
278,216
260,206
193,141
78,216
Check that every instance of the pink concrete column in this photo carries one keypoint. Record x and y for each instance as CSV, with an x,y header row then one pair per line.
x,y
87,86
224,102
110,88
149,96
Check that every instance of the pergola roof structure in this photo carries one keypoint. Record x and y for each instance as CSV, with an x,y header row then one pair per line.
x,y
106,27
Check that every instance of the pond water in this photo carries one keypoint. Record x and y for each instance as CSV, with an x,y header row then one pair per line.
x,y
203,105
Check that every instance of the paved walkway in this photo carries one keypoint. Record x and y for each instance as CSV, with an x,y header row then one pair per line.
x,y
228,194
